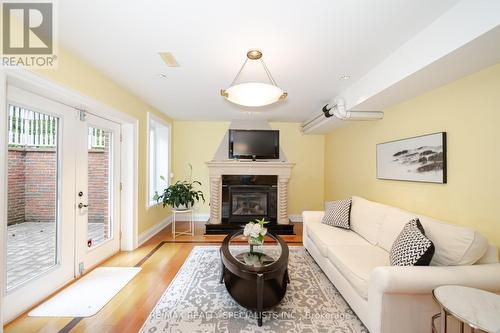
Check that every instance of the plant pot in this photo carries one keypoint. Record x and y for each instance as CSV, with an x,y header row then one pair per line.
x,y
182,207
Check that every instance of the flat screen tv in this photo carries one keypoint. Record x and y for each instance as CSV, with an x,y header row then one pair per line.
x,y
254,144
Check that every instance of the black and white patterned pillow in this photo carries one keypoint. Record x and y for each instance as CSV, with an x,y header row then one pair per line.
x,y
338,213
412,247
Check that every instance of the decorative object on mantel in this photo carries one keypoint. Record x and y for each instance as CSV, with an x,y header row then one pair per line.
x,y
419,159
255,231
254,94
182,195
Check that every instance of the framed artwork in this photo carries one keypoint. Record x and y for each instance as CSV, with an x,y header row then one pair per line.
x,y
418,159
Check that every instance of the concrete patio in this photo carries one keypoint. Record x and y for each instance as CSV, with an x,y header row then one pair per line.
x,y
31,249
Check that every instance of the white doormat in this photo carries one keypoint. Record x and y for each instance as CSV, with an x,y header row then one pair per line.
x,y
87,296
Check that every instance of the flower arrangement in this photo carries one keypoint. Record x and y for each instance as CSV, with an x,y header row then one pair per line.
x,y
255,231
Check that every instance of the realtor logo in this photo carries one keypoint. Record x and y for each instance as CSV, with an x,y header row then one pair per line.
x,y
28,29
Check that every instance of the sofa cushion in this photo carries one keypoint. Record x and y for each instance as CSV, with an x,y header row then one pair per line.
x,y
394,221
324,235
356,262
412,247
338,213
455,245
366,218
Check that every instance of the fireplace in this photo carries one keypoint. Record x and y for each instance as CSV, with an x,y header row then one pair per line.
x,y
247,197
241,191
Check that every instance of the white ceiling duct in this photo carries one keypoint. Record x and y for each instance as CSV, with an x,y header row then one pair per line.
x,y
338,110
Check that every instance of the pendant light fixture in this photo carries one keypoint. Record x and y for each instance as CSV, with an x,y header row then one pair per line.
x,y
254,94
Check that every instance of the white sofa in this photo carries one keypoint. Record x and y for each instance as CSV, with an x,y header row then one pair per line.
x,y
392,298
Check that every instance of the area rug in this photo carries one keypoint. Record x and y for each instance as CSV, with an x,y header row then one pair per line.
x,y
195,301
87,296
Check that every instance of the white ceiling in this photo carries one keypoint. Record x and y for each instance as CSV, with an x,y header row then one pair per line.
x,y
307,45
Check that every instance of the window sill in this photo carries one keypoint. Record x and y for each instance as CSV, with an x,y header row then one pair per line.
x,y
153,204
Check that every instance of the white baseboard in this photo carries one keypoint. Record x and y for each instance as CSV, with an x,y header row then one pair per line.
x,y
295,217
146,235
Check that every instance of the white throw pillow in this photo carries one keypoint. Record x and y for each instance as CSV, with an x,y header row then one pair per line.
x,y
455,245
366,218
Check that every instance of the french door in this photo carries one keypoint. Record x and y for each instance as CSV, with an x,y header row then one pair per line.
x,y
97,191
63,196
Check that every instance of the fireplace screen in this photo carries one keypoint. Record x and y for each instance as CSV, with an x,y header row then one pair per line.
x,y
249,204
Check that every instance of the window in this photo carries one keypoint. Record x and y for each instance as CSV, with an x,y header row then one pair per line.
x,y
159,156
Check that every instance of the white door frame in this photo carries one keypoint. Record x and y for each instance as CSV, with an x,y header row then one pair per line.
x,y
36,84
85,255
3,185
62,271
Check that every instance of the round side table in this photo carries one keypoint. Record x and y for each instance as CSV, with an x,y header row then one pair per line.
x,y
478,309
190,231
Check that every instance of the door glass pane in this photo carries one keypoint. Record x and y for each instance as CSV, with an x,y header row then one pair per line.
x,y
99,186
32,195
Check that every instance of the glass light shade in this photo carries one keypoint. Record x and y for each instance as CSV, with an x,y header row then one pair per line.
x,y
253,94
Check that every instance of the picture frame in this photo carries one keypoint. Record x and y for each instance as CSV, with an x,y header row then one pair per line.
x,y
417,159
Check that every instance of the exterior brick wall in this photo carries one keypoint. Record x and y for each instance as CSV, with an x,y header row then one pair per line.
x,y
16,187
32,180
40,185
32,185
98,186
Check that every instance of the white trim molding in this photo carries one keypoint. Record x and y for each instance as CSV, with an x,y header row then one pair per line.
x,y
151,232
3,188
149,201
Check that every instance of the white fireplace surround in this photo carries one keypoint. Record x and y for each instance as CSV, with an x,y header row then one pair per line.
x,y
217,169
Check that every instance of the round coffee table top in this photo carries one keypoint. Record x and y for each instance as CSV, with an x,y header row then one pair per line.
x,y
478,308
257,256
242,259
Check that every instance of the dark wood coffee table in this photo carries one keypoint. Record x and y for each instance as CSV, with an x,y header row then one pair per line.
x,y
256,278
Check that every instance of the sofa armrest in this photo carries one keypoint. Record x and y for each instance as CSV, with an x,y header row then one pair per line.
x,y
400,298
312,216
422,279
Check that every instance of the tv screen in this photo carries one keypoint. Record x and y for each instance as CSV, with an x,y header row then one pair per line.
x,y
254,144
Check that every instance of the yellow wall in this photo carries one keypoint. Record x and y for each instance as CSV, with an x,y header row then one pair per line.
x,y
76,74
306,190
196,142
469,111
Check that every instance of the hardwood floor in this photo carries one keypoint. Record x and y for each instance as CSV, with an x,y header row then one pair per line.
x,y
127,311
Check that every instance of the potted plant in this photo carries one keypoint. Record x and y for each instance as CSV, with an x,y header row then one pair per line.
x,y
255,231
182,195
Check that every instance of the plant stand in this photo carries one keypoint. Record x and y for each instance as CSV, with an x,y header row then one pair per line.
x,y
190,231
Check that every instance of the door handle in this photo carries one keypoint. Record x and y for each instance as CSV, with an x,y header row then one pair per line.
x,y
81,205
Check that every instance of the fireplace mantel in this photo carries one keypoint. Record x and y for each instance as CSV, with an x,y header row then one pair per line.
x,y
219,168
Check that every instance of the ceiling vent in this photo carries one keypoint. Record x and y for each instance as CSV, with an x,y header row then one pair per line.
x,y
169,59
